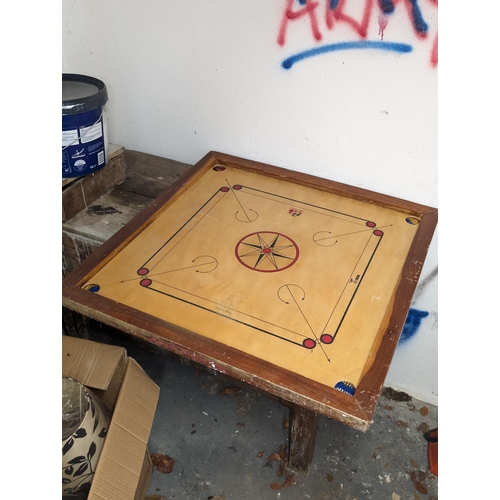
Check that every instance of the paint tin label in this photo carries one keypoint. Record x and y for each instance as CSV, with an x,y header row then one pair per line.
x,y
83,143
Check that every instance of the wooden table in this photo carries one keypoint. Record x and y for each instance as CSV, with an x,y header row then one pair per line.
x,y
294,285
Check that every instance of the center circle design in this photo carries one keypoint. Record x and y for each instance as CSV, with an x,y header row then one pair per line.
x,y
266,251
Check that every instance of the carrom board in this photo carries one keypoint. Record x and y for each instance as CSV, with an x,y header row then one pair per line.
x,y
295,284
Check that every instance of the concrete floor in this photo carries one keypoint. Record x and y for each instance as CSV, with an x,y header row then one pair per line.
x,y
221,441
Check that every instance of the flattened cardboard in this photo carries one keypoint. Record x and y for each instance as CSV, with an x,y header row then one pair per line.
x,y
124,468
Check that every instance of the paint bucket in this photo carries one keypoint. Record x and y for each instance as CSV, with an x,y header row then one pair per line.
x,y
84,125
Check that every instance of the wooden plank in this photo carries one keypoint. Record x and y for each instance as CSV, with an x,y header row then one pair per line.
x,y
150,175
73,201
89,229
65,182
103,218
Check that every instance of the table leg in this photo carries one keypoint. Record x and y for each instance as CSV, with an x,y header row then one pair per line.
x,y
303,427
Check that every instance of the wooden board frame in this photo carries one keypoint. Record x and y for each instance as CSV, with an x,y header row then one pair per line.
x,y
355,411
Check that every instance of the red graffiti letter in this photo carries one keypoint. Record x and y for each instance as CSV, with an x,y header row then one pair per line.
x,y
338,13
434,51
290,15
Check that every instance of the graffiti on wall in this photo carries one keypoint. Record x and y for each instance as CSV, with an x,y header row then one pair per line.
x,y
412,324
415,316
325,15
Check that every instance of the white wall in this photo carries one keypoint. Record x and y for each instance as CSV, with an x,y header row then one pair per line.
x,y
188,77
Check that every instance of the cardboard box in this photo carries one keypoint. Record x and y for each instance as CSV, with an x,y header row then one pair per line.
x,y
124,469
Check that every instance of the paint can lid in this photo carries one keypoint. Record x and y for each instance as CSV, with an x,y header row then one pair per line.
x,y
81,93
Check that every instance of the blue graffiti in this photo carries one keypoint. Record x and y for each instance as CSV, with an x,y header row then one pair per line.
x,y
364,44
412,324
387,7
417,18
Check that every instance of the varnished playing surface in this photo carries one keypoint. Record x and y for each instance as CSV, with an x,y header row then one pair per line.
x,y
294,275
